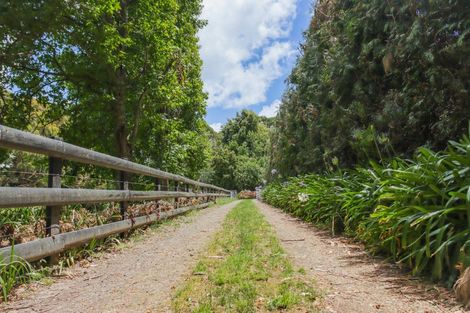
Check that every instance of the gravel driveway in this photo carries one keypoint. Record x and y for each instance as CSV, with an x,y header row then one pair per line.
x,y
143,277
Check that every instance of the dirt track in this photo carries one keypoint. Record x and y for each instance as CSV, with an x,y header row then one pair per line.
x,y
142,278
138,279
352,281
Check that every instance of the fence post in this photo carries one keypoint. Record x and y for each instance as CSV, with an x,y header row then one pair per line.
x,y
123,185
188,200
53,212
177,188
165,185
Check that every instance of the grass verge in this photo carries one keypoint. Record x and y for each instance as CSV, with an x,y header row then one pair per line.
x,y
245,270
224,201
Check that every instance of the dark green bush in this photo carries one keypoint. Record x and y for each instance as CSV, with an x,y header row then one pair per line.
x,y
415,211
374,79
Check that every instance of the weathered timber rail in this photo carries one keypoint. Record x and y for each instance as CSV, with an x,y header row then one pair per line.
x,y
55,197
26,197
19,140
41,248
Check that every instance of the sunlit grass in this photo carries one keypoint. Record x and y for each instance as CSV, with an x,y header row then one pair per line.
x,y
245,270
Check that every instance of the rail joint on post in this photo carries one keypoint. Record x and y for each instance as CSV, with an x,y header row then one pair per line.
x,y
53,212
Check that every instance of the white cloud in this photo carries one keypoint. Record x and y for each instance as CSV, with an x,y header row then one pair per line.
x,y
243,48
270,110
216,126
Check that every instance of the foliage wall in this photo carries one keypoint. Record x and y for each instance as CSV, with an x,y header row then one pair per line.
x,y
375,79
240,152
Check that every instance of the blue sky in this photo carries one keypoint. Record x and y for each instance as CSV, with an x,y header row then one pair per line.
x,y
248,49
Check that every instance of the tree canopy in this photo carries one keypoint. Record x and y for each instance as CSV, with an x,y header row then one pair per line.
x,y
122,77
240,152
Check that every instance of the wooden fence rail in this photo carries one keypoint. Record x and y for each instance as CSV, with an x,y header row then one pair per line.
x,y
14,197
55,197
11,138
44,247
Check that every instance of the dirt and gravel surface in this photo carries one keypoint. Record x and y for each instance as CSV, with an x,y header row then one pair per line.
x,y
140,278
143,277
351,280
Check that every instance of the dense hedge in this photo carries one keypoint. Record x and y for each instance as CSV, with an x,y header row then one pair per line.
x,y
416,211
374,79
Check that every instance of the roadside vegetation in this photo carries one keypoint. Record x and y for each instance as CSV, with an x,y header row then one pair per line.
x,y
240,152
20,225
416,211
223,201
245,270
362,143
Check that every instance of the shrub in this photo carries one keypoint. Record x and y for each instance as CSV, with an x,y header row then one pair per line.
x,y
415,211
247,194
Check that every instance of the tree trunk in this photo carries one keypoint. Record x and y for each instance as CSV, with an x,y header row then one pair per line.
x,y
121,129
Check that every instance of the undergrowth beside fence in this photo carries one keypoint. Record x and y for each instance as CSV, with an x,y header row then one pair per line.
x,y
22,225
416,211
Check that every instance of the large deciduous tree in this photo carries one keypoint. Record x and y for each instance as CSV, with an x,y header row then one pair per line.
x,y
122,75
240,154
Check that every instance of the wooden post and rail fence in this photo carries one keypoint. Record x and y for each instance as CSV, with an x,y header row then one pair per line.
x,y
54,197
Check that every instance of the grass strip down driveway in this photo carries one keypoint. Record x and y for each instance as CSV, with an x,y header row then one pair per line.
x,y
245,269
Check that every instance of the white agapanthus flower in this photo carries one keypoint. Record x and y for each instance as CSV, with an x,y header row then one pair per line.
x,y
302,197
